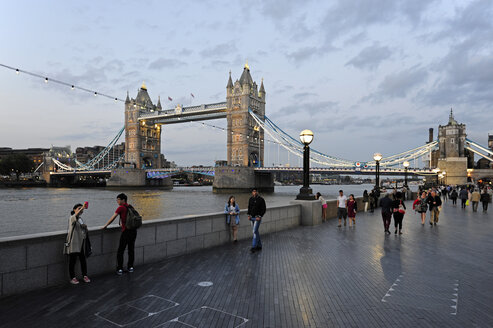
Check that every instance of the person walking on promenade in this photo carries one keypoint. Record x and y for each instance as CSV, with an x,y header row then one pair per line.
x,y
127,237
74,244
435,205
444,192
485,199
463,197
324,206
256,210
421,206
232,211
398,209
372,200
475,198
341,207
386,205
366,199
352,208
453,196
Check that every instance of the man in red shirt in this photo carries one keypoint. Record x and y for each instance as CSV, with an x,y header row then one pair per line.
x,y
127,237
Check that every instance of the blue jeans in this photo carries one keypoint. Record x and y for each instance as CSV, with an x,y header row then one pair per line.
x,y
256,235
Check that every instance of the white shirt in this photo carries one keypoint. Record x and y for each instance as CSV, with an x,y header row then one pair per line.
x,y
342,201
231,208
322,200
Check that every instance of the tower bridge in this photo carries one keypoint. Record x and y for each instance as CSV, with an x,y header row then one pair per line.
x,y
247,127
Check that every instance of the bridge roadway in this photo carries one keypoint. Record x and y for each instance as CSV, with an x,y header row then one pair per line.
x,y
320,276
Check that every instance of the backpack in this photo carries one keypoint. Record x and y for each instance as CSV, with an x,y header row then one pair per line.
x,y
134,219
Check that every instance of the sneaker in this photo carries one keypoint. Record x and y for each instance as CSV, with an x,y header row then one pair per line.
x,y
74,281
259,248
131,269
339,225
119,272
86,279
253,249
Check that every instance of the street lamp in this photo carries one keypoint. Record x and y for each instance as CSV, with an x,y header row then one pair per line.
x,y
306,137
377,157
406,165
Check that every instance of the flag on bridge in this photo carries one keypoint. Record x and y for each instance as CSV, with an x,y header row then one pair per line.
x,y
170,99
191,94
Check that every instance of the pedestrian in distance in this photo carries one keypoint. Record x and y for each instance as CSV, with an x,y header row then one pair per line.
x,y
341,207
127,237
453,196
324,206
372,200
386,205
256,210
475,198
232,211
366,199
434,205
352,208
463,197
420,205
485,199
398,209
75,244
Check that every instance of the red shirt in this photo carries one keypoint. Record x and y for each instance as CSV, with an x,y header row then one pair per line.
x,y
122,211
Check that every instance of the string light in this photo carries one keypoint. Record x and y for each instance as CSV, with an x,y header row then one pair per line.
x,y
72,87
46,80
17,71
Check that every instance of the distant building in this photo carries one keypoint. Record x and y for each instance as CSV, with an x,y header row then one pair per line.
x,y
35,154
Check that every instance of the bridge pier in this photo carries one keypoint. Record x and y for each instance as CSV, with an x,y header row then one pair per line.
x,y
238,179
131,177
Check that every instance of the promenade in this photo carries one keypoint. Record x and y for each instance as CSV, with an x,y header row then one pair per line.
x,y
320,276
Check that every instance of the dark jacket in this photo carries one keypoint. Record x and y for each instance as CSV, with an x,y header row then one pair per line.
x,y
437,200
463,194
386,204
256,206
485,197
454,194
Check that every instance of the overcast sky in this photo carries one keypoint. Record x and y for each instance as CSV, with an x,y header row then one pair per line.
x,y
365,76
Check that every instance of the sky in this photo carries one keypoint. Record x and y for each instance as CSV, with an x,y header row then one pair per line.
x,y
365,75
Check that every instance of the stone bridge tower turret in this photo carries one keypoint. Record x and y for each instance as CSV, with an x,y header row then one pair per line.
x,y
142,141
245,145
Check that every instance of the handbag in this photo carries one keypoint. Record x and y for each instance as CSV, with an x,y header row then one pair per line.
x,y
401,208
467,202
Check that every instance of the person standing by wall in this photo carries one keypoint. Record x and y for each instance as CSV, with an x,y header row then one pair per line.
x,y
372,200
256,210
386,205
341,207
352,208
475,198
399,209
127,237
232,211
324,206
434,204
366,199
74,244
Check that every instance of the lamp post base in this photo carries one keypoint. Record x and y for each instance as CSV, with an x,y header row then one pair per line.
x,y
306,193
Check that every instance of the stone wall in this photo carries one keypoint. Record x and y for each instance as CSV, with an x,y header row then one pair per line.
x,y
36,261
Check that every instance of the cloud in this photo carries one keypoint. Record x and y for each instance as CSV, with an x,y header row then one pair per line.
x,y
304,53
219,50
161,63
370,57
400,84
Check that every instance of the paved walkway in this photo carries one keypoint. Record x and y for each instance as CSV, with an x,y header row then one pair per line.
x,y
320,276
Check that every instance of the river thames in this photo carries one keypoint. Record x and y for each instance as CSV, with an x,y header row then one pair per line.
x,y
34,210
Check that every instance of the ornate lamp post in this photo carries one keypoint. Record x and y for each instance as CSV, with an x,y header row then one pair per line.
x,y
377,157
406,165
306,137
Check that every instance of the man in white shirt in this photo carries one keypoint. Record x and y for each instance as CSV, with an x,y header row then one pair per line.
x,y
341,207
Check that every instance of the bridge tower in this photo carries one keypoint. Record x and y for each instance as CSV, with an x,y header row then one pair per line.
x,y
453,157
142,141
245,145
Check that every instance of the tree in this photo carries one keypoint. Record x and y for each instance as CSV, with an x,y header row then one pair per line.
x,y
16,163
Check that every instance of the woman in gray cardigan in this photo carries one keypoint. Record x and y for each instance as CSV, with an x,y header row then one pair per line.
x,y
74,245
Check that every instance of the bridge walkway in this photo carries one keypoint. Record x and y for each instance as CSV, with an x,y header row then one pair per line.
x,y
320,276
